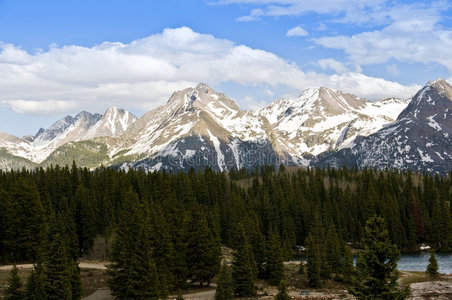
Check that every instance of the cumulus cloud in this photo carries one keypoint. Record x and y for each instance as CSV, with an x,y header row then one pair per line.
x,y
297,31
413,35
143,74
332,64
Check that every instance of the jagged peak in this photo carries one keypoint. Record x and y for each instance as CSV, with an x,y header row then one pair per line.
x,y
203,87
112,109
437,82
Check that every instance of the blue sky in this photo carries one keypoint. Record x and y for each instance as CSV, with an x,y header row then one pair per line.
x,y
61,57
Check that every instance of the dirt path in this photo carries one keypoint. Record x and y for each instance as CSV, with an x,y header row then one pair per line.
x,y
82,265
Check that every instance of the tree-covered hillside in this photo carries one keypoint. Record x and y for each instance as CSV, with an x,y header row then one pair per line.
x,y
179,221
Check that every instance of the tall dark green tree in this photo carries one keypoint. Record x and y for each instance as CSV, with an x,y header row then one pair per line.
x,y
244,268
273,259
56,270
432,267
203,250
225,285
27,226
377,266
313,264
35,287
347,266
133,274
14,289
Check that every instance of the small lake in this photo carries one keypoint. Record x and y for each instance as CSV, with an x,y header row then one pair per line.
x,y
419,262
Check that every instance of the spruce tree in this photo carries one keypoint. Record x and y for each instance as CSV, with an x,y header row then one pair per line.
x,y
274,260
203,250
76,283
14,288
347,267
313,267
282,292
432,267
133,274
243,267
377,266
57,272
35,287
225,285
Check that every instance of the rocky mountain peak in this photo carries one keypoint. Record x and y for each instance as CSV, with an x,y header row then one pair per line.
x,y
434,97
204,88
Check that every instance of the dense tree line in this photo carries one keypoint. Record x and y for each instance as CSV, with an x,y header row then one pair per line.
x,y
172,225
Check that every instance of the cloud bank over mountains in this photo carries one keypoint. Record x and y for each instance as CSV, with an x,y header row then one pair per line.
x,y
142,74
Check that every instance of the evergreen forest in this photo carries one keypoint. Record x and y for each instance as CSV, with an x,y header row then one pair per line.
x,y
167,229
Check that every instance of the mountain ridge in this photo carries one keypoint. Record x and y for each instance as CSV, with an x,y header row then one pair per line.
x,y
199,127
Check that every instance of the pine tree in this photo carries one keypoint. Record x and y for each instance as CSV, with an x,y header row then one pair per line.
x,y
13,290
225,285
274,260
133,274
313,267
76,283
377,266
57,273
282,292
347,267
432,268
243,267
203,251
26,219
333,253
35,288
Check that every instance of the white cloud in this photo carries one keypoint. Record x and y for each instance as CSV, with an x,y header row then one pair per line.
x,y
297,31
332,64
254,16
413,35
143,74
354,11
47,107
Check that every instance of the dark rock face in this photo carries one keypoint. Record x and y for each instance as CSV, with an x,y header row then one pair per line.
x,y
420,139
199,152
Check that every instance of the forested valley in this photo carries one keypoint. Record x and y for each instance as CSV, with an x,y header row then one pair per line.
x,y
166,230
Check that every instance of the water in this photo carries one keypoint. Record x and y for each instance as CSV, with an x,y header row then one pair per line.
x,y
419,262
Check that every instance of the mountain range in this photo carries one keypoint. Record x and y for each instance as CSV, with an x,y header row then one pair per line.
x,y
200,127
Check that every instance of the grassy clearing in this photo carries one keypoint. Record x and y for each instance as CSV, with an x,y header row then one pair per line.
x,y
409,277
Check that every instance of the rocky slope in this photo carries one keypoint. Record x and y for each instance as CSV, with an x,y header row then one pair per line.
x,y
420,138
323,119
83,126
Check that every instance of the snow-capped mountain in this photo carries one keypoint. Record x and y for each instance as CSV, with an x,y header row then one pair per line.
x,y
83,126
420,138
113,123
200,127
324,119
